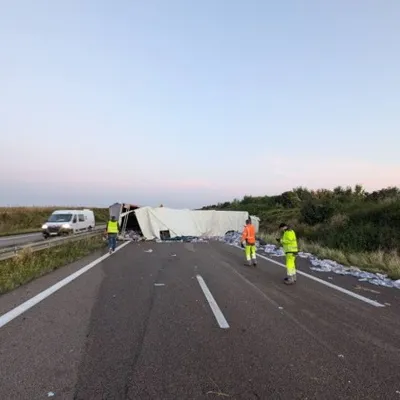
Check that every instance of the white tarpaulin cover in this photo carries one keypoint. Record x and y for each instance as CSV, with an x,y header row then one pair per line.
x,y
188,222
256,222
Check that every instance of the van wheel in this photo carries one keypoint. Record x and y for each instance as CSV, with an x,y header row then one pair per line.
x,y
90,228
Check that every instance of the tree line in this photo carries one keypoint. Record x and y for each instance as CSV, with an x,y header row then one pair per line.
x,y
348,218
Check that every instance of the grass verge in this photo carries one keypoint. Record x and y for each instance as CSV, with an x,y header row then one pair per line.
x,y
28,265
375,261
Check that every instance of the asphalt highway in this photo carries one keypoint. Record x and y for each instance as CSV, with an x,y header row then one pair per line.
x,y
141,324
18,240
23,239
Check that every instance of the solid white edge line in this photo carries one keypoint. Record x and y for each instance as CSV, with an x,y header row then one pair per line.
x,y
331,285
222,322
17,311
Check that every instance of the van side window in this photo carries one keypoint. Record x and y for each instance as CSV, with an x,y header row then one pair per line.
x,y
81,218
74,220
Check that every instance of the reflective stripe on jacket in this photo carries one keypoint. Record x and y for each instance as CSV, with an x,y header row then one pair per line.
x,y
289,241
112,227
249,234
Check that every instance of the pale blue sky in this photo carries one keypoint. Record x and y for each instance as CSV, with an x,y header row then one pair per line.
x,y
189,103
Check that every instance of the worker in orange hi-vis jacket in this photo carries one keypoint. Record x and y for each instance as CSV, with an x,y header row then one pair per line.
x,y
249,243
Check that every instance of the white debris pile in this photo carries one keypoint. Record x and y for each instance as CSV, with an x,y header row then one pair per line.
x,y
273,250
363,276
234,238
231,237
132,235
321,265
186,239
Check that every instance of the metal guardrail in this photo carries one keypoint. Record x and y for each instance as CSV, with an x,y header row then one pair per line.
x,y
9,252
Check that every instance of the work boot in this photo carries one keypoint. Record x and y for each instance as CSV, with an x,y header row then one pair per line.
x,y
254,263
288,280
110,251
247,263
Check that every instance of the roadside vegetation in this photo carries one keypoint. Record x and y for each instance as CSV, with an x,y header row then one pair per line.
x,y
347,225
17,220
28,265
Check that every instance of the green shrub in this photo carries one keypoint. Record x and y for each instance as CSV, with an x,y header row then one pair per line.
x,y
315,212
347,219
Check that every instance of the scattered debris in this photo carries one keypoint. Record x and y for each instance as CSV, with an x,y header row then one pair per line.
x,y
159,284
133,236
358,287
187,239
281,308
51,394
321,265
218,391
318,265
173,255
340,355
148,251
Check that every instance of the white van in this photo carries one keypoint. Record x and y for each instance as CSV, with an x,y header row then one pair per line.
x,y
65,222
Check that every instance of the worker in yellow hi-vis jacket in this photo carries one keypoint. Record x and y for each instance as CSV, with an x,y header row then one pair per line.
x,y
290,248
112,231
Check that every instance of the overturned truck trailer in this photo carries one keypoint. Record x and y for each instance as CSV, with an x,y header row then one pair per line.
x,y
124,214
165,223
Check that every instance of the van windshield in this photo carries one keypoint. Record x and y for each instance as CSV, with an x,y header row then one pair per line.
x,y
60,218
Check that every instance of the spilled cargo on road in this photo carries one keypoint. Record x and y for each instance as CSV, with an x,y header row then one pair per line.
x,y
319,265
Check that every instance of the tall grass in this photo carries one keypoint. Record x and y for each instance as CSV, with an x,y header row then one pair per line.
x,y
386,262
28,265
14,220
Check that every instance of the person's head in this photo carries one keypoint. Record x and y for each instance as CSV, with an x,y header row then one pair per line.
x,y
248,221
283,226
113,218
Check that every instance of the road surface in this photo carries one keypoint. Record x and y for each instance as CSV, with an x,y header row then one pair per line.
x,y
18,240
139,325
